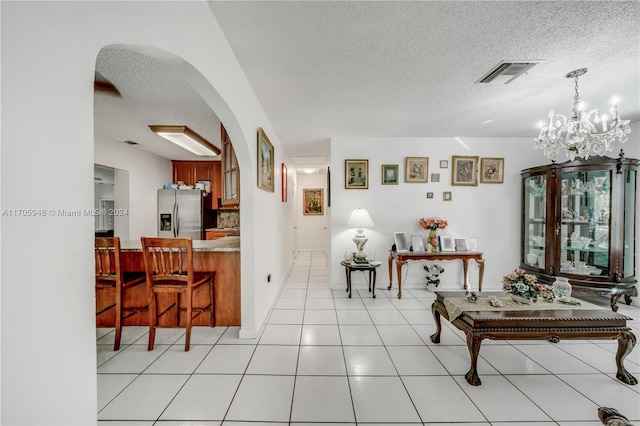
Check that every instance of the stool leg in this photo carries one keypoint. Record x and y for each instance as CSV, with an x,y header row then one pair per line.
x,y
213,310
152,320
373,283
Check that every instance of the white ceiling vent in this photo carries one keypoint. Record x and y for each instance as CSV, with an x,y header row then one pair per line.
x,y
507,71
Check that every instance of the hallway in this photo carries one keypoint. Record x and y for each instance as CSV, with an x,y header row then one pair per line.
x,y
323,358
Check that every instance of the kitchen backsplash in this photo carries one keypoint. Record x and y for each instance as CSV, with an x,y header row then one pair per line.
x,y
228,219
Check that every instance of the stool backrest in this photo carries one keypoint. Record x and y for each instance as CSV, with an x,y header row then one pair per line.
x,y
107,259
168,259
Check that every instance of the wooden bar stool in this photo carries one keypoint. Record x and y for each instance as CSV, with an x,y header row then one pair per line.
x,y
168,264
111,279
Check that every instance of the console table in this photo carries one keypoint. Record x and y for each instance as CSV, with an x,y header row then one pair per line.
x,y
544,321
402,257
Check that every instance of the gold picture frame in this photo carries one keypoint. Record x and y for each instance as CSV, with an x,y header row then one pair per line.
x,y
491,170
313,201
416,169
265,162
464,171
356,174
390,174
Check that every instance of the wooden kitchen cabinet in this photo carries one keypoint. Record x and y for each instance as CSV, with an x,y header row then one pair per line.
x,y
578,222
219,233
230,173
190,172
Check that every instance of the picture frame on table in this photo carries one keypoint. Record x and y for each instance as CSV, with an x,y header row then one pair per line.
x,y
400,239
285,181
356,174
390,174
416,243
461,244
265,162
447,243
464,171
491,170
416,169
313,201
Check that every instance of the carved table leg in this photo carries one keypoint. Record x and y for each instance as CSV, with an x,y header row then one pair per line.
x,y
465,268
480,273
435,338
473,343
614,302
399,265
626,342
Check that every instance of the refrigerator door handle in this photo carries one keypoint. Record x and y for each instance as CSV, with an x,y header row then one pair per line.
x,y
176,221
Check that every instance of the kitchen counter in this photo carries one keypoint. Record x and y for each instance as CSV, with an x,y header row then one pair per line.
x,y
220,244
221,256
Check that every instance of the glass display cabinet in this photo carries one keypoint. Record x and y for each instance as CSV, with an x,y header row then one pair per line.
x,y
578,222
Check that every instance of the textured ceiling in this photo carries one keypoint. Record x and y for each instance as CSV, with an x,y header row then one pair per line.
x,y
396,69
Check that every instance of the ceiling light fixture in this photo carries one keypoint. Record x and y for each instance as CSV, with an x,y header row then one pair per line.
x,y
308,170
187,139
583,135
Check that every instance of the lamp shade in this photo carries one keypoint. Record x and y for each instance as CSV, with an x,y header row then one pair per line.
x,y
360,219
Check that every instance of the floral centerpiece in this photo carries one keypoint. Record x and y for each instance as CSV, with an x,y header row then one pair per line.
x,y
521,284
432,224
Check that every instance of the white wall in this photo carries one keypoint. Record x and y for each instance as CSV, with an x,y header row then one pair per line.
x,y
491,213
146,174
49,360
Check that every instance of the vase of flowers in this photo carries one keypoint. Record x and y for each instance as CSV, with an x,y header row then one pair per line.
x,y
432,224
523,287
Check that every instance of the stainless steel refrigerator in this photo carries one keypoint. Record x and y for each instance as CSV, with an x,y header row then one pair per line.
x,y
180,213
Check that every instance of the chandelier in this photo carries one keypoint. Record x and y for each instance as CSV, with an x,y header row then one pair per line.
x,y
583,135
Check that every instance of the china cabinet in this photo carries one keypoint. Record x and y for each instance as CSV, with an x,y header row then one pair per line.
x,y
578,222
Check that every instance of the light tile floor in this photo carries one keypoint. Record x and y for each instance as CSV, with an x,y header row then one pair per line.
x,y
325,359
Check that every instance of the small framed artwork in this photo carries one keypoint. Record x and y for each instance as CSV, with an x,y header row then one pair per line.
x,y
356,174
444,164
464,171
313,201
285,178
447,196
265,162
401,242
492,170
447,243
416,243
389,174
435,177
416,169
429,194
461,244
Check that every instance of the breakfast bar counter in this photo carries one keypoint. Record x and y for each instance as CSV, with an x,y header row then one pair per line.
x,y
221,256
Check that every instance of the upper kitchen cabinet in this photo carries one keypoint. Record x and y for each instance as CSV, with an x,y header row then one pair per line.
x,y
190,172
578,222
230,173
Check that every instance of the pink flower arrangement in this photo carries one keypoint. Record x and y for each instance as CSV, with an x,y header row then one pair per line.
x,y
433,223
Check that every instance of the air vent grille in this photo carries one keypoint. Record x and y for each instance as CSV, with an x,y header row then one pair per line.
x,y
507,71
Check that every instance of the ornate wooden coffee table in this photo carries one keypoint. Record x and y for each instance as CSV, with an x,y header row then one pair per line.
x,y
551,322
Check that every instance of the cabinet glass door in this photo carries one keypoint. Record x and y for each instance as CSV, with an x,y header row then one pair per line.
x,y
535,215
628,252
585,222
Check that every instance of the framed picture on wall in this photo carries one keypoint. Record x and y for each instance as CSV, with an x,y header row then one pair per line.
x,y
389,174
265,162
313,201
492,170
464,171
356,174
416,169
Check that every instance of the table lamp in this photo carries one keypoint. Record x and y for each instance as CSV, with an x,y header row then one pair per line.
x,y
360,219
